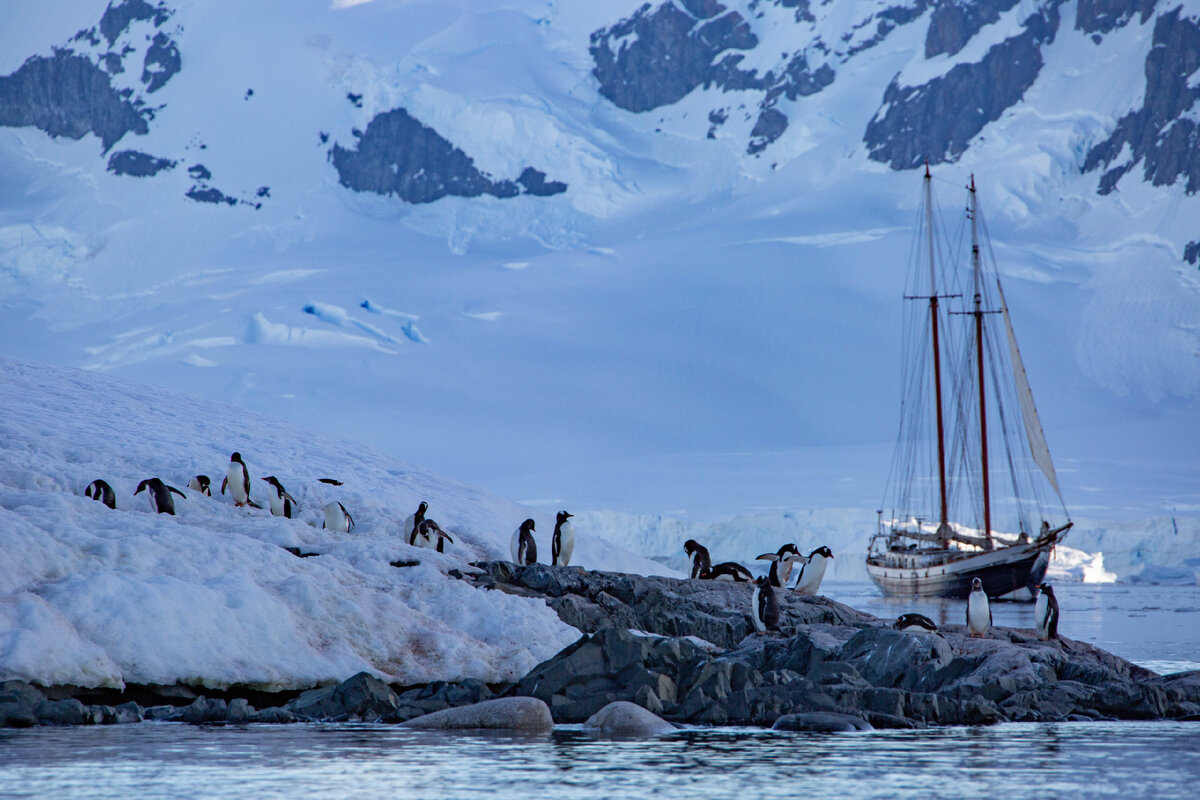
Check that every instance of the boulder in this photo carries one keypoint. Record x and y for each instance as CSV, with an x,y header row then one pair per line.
x,y
17,715
822,722
506,713
239,711
274,716
362,696
63,712
202,710
627,719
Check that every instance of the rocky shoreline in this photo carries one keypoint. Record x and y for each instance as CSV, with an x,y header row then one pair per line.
x,y
685,651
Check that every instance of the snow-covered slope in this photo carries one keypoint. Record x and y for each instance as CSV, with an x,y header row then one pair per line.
x,y
616,255
96,597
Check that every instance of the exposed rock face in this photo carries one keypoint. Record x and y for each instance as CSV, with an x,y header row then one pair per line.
x,y
67,95
831,659
137,164
953,23
1104,16
1159,133
506,713
627,719
936,121
361,697
399,155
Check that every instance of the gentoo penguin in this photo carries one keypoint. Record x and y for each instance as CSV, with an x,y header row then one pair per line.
x,y
160,495
524,548
562,544
238,480
100,490
727,571
429,532
412,522
915,623
201,484
781,564
337,518
282,503
1045,612
701,563
809,579
764,606
979,611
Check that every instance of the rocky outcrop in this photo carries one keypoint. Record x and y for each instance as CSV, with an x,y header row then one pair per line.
x,y
137,164
627,719
936,121
506,713
952,24
1159,134
1104,16
399,155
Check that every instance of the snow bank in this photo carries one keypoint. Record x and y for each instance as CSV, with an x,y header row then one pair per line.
x,y
96,597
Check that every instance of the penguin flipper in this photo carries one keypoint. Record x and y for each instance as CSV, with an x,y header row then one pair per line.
x,y
330,481
293,500
176,491
224,483
767,557
253,504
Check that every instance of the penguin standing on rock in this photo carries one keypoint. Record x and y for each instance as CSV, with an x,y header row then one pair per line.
x,y
764,606
915,623
413,522
201,484
429,532
160,495
282,503
100,490
562,544
781,564
701,563
727,571
813,571
979,611
1045,612
524,548
237,478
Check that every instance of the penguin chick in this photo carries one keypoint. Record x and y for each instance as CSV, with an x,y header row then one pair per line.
x,y
764,606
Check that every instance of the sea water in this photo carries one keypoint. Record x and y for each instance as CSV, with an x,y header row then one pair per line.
x,y
1154,626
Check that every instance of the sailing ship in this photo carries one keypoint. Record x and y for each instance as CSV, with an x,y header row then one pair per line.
x,y
968,421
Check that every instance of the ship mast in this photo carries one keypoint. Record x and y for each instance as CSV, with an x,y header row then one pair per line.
x,y
978,314
943,530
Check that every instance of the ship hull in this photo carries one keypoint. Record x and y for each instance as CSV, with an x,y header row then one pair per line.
x,y
948,573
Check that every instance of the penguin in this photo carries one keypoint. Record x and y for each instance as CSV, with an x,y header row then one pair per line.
x,y
809,579
524,548
430,532
764,606
701,563
727,571
337,518
237,478
201,484
282,503
562,544
100,490
781,564
412,522
915,623
1045,612
160,495
979,611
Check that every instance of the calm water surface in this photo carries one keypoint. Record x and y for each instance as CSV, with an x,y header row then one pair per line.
x,y
1158,627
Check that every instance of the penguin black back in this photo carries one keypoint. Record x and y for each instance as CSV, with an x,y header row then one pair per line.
x,y
101,491
160,495
526,546
915,622
701,563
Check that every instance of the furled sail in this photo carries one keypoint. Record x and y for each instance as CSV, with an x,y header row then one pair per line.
x,y
1033,426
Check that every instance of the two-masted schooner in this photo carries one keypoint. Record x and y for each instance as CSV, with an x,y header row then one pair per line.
x,y
972,491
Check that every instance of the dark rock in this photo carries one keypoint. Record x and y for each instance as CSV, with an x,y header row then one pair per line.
x,y
627,719
161,63
199,172
362,696
1103,16
158,713
770,126
399,155
953,24
123,714
202,710
1191,252
1159,134
240,711
137,164
506,713
14,714
274,716
13,691
535,183
118,17
63,712
67,95
210,195
885,657
821,722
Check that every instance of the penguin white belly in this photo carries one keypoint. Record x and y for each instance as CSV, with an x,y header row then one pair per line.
x,y
236,477
811,575
566,544
336,519
409,523
784,571
277,501
755,615
979,615
515,546
1041,615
